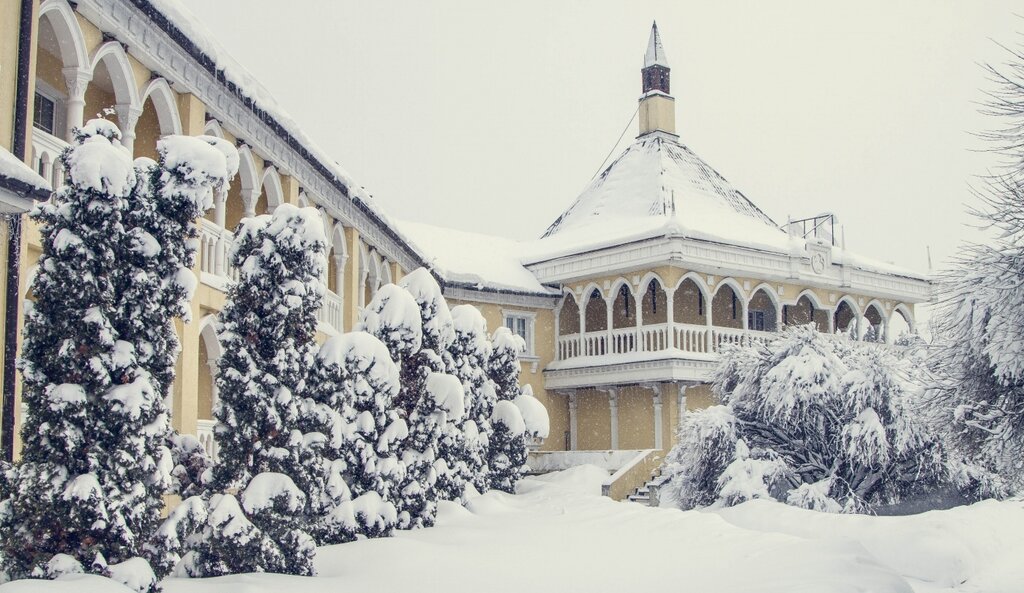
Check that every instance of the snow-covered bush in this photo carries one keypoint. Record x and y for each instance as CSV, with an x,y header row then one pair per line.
x,y
507,447
355,379
99,354
705,446
470,351
978,327
267,329
507,454
428,421
806,409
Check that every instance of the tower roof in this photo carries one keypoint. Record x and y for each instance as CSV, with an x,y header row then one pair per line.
x,y
655,55
659,186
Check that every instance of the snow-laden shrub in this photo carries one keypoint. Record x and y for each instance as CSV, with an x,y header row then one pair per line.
x,y
806,409
267,330
705,446
355,380
99,354
507,442
507,458
470,351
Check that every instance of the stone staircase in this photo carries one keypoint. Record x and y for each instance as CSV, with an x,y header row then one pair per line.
x,y
643,494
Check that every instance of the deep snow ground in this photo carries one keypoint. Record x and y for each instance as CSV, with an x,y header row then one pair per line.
x,y
559,535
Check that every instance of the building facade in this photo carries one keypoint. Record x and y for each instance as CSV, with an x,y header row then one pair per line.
x,y
624,303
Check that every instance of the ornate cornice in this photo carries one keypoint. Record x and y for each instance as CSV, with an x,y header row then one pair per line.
x,y
164,48
629,373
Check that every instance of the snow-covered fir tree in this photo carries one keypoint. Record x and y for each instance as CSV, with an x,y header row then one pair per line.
x,y
978,327
355,377
267,329
97,350
425,415
809,420
469,353
156,285
506,456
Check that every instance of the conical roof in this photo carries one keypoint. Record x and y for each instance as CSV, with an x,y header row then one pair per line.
x,y
660,186
655,52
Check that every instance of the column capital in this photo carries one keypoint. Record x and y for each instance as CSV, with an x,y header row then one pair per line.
x,y
128,115
77,80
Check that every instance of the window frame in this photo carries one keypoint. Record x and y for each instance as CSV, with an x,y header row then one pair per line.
x,y
530,322
57,98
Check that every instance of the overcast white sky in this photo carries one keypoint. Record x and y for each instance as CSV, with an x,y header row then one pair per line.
x,y
493,116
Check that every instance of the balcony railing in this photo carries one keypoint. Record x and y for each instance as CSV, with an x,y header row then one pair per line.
x,y
215,268
696,339
204,432
46,149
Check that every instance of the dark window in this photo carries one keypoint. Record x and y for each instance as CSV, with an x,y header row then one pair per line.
x,y
625,300
654,296
755,320
43,114
700,303
733,304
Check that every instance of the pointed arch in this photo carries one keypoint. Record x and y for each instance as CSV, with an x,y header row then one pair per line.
x,y
70,40
568,314
336,259
114,58
385,272
271,183
764,308
595,309
213,128
209,353
622,300
166,105
846,316
875,322
653,298
728,307
813,297
901,316
690,300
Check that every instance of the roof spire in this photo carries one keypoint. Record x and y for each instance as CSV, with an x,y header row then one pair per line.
x,y
657,107
655,52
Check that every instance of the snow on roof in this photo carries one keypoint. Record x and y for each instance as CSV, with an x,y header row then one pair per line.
x,y
246,85
18,176
659,186
655,52
475,259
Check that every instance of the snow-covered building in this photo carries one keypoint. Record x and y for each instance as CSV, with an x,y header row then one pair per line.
x,y
623,302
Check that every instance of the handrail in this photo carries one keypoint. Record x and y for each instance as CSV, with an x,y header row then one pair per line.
x,y
631,475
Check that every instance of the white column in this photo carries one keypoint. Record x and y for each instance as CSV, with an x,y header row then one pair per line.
x,y
638,304
340,259
707,324
659,439
76,80
583,322
573,419
831,320
613,407
214,394
608,310
682,402
128,116
220,210
249,202
670,318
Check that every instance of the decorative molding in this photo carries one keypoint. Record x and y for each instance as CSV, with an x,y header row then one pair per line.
x,y
719,259
155,48
511,299
630,373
